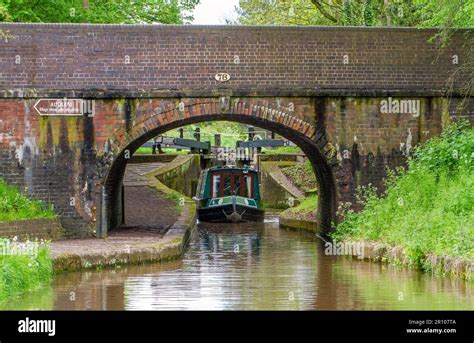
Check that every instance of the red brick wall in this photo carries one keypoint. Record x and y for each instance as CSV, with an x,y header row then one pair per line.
x,y
183,58
41,228
59,158
336,105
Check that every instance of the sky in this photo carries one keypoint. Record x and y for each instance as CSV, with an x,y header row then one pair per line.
x,y
213,12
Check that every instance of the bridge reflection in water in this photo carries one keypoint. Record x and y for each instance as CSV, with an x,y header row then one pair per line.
x,y
252,266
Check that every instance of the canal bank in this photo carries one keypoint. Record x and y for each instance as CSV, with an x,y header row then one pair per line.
x,y
380,252
125,246
302,216
158,220
250,266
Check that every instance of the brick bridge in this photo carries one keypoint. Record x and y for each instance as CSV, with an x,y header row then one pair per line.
x,y
356,100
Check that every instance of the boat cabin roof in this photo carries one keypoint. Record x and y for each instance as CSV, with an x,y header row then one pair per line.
x,y
231,168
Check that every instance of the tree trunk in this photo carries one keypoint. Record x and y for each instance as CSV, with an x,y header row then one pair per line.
x,y
386,3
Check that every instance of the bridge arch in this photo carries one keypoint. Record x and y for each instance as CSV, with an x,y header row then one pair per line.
x,y
311,140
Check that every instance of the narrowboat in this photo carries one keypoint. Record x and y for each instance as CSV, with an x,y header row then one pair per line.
x,y
229,194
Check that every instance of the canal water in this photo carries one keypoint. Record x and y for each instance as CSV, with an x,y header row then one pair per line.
x,y
251,267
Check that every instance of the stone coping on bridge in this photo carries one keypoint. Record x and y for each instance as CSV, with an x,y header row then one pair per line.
x,y
229,27
112,93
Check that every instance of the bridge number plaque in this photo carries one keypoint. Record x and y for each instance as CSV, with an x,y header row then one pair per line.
x,y
64,107
222,77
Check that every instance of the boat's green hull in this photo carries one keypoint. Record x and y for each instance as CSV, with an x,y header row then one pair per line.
x,y
226,213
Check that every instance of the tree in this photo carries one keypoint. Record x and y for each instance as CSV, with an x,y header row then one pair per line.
x,y
409,13
447,15
278,12
369,12
98,11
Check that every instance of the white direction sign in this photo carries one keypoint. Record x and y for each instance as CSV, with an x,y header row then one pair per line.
x,y
64,107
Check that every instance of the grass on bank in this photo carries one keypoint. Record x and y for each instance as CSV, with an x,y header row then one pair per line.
x,y
305,210
148,151
14,205
282,150
427,209
309,204
177,198
301,176
21,271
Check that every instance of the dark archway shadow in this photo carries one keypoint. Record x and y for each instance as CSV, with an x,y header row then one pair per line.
x,y
325,176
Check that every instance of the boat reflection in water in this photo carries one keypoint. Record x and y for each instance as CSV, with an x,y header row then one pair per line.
x,y
235,239
229,194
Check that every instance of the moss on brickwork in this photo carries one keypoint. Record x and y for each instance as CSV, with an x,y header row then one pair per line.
x,y
56,130
43,131
71,123
67,262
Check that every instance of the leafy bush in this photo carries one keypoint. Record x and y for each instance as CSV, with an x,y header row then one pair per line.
x,y
428,208
449,152
230,132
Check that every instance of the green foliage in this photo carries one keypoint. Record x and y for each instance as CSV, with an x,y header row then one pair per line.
x,y
148,151
143,151
14,205
23,272
4,13
230,132
409,13
427,209
98,11
301,176
283,150
445,13
309,204
279,12
177,198
369,13
447,153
